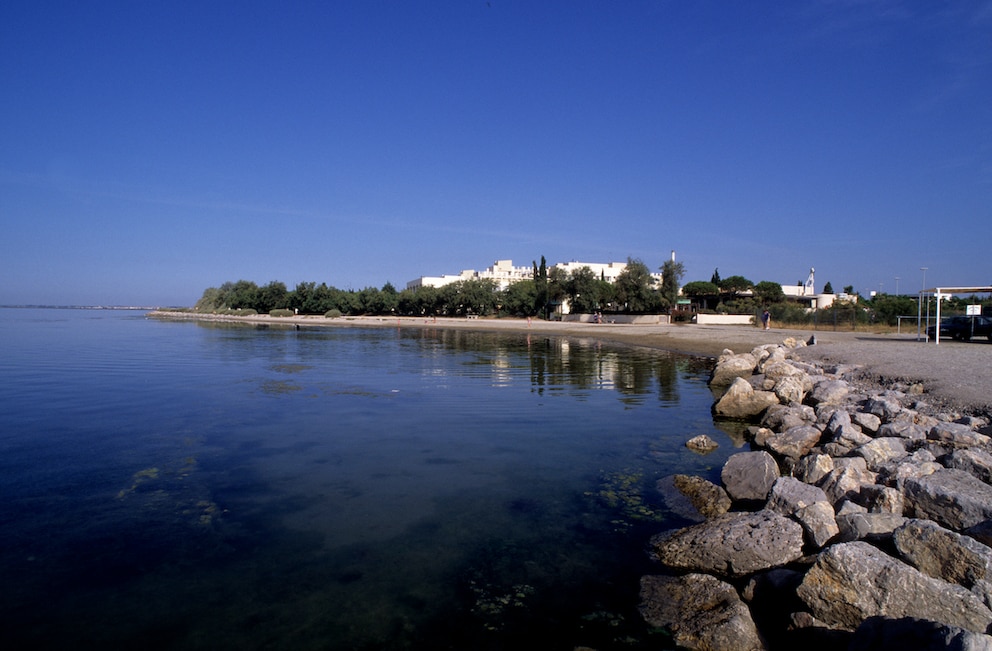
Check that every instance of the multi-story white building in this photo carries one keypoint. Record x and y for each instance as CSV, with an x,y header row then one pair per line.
x,y
608,271
505,274
502,271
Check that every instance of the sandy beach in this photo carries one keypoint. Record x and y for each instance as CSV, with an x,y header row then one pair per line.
x,y
954,374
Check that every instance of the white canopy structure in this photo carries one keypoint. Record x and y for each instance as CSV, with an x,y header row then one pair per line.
x,y
944,292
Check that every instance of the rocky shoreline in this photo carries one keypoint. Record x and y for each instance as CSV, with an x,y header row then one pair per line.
x,y
860,518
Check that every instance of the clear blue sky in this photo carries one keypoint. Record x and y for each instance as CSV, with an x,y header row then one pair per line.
x,y
151,150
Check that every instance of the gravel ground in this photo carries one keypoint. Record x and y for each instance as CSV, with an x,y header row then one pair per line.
x,y
955,375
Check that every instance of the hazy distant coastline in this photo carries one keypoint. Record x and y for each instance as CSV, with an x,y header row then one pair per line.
x,y
138,308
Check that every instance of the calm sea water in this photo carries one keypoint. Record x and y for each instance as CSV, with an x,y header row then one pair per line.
x,y
202,486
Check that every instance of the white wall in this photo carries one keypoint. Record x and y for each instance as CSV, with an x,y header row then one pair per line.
x,y
724,319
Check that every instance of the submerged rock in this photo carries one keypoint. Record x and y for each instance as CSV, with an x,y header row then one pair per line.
x,y
700,611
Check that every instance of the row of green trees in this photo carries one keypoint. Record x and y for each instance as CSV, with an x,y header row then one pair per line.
x,y
738,295
734,294
635,291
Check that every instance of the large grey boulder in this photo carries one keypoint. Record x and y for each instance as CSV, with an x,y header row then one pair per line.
x,y
729,367
881,451
882,499
749,475
794,442
853,581
741,401
790,390
877,633
903,429
845,482
776,368
700,611
781,417
837,419
884,407
973,461
956,435
950,497
851,436
867,526
808,505
867,422
944,554
919,464
732,545
830,392
813,467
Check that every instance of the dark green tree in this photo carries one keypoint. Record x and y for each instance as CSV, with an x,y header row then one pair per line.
x,y
480,295
389,298
828,288
715,278
582,291
272,296
520,298
700,288
887,308
557,286
767,292
242,295
735,285
634,288
671,279
705,294
541,297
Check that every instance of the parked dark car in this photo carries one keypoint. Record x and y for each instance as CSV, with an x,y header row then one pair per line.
x,y
963,328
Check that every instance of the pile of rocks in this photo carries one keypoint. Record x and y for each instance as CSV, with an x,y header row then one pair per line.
x,y
861,519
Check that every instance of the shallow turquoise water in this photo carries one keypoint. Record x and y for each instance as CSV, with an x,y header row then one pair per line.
x,y
190,486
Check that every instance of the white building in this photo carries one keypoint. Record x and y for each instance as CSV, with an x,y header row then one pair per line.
x,y
440,281
505,274
806,293
608,271
501,271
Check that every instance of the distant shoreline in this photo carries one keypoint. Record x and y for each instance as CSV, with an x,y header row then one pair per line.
x,y
134,308
706,341
954,374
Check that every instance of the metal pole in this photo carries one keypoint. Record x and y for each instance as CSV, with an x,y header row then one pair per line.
x,y
937,330
919,323
919,314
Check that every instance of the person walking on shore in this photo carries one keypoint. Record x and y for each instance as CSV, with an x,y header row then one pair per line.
x,y
766,318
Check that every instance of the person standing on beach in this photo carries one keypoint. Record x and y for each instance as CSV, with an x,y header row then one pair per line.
x,y
766,318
